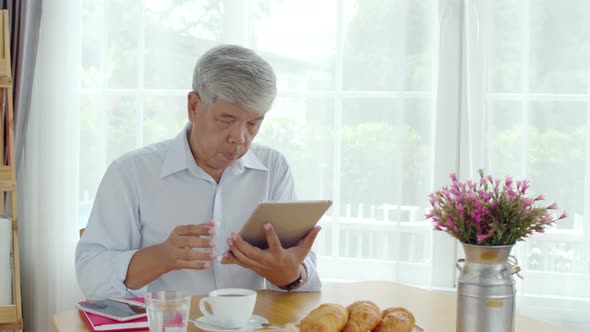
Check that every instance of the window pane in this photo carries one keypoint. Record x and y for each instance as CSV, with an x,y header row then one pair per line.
x,y
372,41
552,55
300,42
388,45
303,130
121,43
421,20
176,34
505,51
92,57
507,146
372,134
92,151
547,146
559,46
107,131
163,118
121,125
386,149
558,172
538,73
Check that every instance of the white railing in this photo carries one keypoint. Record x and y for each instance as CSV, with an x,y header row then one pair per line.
x,y
389,242
399,234
376,232
557,250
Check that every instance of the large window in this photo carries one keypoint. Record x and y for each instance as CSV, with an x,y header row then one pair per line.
x,y
535,104
378,101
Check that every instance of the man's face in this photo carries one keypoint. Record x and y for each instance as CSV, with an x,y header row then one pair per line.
x,y
221,134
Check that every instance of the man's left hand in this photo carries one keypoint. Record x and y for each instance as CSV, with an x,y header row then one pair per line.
x,y
276,264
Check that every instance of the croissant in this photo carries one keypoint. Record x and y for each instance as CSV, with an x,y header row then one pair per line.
x,y
396,320
327,317
363,316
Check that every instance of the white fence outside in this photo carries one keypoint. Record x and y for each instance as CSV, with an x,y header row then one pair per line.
x,y
389,242
394,242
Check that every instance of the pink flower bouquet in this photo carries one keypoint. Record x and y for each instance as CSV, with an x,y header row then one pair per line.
x,y
492,212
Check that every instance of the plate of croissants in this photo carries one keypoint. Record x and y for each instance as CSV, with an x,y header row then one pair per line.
x,y
360,316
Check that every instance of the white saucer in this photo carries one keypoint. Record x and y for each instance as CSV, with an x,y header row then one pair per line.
x,y
207,324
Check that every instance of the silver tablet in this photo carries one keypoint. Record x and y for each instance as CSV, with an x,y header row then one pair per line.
x,y
291,220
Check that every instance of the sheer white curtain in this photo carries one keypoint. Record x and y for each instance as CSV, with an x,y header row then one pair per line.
x,y
48,178
378,102
526,106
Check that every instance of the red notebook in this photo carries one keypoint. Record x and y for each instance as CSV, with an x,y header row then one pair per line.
x,y
100,323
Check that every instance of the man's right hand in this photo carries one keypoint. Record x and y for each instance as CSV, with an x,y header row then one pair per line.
x,y
178,251
175,253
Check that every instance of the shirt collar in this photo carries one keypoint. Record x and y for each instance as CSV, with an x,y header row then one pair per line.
x,y
249,160
179,157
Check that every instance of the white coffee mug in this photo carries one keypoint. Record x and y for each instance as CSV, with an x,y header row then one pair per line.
x,y
230,307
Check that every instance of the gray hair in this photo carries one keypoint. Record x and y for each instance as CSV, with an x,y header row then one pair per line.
x,y
237,75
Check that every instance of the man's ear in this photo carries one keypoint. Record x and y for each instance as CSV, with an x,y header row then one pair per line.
x,y
193,105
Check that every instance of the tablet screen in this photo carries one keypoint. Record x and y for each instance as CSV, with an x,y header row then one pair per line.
x,y
113,309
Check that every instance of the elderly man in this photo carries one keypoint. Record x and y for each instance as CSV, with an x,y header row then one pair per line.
x,y
165,213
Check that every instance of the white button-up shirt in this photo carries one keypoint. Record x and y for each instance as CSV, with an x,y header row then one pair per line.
x,y
146,193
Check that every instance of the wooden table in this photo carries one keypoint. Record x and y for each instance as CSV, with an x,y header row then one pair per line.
x,y
434,311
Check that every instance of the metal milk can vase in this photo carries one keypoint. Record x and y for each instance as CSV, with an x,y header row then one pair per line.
x,y
486,289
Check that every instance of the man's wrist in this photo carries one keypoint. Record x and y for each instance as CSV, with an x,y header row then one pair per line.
x,y
297,282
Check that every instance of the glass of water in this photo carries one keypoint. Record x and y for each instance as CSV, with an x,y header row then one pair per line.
x,y
168,310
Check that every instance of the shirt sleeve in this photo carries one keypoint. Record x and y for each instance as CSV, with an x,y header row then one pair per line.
x,y
111,237
284,190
